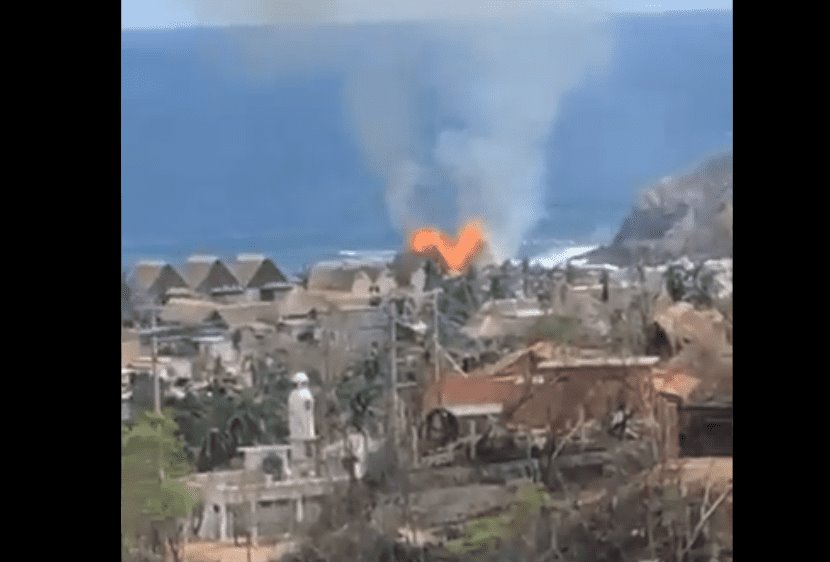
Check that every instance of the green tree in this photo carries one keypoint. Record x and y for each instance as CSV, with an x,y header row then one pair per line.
x,y
560,329
153,500
126,300
486,535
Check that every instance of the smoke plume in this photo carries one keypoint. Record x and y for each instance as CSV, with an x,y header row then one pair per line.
x,y
452,102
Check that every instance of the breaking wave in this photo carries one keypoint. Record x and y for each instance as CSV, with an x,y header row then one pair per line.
x,y
561,254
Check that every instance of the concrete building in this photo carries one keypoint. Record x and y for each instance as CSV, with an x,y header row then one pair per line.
x,y
349,282
273,504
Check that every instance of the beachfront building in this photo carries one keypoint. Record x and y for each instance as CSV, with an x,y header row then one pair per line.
x,y
209,276
153,280
259,277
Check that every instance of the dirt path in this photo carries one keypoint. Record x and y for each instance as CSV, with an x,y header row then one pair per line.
x,y
227,552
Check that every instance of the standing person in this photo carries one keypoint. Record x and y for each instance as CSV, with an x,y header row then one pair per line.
x,y
301,416
373,362
619,421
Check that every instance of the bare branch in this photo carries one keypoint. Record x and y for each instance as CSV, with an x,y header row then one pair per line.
x,y
705,518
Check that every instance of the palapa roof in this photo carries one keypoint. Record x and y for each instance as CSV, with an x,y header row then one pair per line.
x,y
145,273
299,302
683,324
246,314
155,277
341,275
206,273
188,312
255,271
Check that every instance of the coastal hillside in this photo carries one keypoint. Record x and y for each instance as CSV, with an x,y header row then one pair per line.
x,y
685,215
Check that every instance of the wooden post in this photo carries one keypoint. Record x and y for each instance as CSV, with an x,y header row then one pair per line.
x,y
415,455
299,509
253,530
673,431
223,522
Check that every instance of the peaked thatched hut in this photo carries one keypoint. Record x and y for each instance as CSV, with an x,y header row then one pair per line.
x,y
208,275
154,279
259,274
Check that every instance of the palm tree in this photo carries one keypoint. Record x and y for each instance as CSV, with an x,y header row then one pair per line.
x,y
243,426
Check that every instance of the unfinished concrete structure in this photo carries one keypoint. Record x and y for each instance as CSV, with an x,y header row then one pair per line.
x,y
270,501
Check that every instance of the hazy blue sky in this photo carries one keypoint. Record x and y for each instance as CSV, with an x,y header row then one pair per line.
x,y
177,13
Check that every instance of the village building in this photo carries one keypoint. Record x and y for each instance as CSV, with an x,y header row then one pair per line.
x,y
207,275
187,312
357,328
153,280
259,277
244,314
680,325
273,502
350,282
502,318
528,393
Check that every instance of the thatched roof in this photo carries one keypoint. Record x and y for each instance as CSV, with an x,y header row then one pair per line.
x,y
145,273
244,314
207,273
684,325
155,277
254,271
299,302
341,276
188,312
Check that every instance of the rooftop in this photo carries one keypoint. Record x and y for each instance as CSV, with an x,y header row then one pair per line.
x,y
202,259
600,362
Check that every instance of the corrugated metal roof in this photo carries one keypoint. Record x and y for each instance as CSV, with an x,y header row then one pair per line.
x,y
557,400
455,390
677,384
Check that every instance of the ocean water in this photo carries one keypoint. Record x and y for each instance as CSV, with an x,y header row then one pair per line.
x,y
221,154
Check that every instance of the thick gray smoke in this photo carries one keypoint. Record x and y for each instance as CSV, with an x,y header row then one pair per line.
x,y
455,107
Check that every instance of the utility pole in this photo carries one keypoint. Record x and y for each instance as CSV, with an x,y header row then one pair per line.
x,y
154,355
393,371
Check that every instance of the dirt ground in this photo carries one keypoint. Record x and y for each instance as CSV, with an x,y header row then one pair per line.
x,y
696,472
227,552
